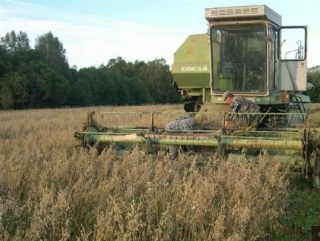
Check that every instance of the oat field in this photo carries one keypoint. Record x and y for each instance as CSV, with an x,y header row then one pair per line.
x,y
53,189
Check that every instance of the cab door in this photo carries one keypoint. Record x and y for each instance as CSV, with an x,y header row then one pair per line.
x,y
292,55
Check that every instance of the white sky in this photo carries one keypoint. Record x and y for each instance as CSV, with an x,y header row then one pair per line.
x,y
95,31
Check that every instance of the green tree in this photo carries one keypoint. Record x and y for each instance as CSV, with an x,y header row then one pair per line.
x,y
157,77
6,96
97,83
33,85
14,51
133,89
80,94
52,53
59,90
108,93
41,77
13,42
117,66
314,78
138,91
15,85
3,62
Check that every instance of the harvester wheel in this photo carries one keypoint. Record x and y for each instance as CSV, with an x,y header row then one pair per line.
x,y
192,106
189,106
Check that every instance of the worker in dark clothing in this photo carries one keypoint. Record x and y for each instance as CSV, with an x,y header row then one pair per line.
x,y
240,105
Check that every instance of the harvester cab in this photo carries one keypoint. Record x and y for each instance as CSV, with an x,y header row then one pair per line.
x,y
246,51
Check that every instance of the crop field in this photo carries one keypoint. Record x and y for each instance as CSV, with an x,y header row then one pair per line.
x,y
51,188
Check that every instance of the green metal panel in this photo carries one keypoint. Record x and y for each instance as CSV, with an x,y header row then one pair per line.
x,y
194,49
192,80
191,67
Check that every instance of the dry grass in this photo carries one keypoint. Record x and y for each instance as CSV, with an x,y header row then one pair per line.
x,y
51,190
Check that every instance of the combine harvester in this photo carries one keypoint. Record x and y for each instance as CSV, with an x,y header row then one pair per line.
x,y
248,52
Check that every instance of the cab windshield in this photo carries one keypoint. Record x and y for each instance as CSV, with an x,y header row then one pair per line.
x,y
239,58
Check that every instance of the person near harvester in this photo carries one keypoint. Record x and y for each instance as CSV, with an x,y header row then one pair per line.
x,y
183,123
237,119
239,106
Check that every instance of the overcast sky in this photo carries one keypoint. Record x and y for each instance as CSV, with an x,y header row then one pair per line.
x,y
93,32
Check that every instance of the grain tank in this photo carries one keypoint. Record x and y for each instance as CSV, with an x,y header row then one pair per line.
x,y
191,70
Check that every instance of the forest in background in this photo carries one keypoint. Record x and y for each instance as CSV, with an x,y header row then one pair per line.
x,y
41,77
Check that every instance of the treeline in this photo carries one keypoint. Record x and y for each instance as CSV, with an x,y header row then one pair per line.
x,y
41,77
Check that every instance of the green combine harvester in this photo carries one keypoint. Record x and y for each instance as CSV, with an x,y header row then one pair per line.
x,y
249,52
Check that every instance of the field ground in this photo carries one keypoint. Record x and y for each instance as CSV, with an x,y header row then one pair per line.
x,y
52,189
